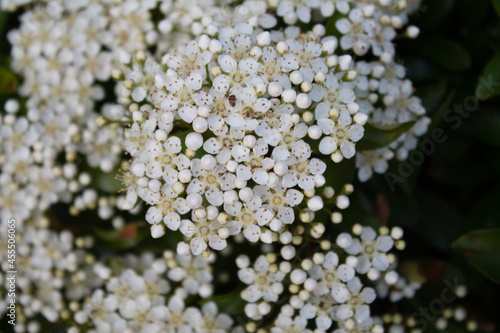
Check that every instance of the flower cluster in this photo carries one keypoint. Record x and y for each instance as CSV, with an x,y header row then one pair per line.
x,y
55,273
327,288
235,116
61,278
145,303
228,132
64,51
223,135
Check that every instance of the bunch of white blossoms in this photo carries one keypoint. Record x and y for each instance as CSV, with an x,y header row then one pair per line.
x,y
329,288
222,129
56,271
145,297
64,51
62,279
235,116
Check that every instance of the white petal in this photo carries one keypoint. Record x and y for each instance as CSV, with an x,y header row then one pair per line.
x,y
347,148
188,113
198,245
214,197
328,145
172,221
227,63
252,233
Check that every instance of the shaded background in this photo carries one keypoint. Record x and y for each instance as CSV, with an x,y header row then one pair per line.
x,y
456,189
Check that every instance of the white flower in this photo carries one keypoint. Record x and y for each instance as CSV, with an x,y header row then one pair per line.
x,y
357,306
221,144
250,216
327,7
189,60
371,250
281,201
165,160
302,173
380,38
331,277
200,232
138,135
211,182
291,10
175,320
237,74
262,283
341,134
285,324
354,31
253,164
166,207
246,109
286,140
375,160
184,95
208,320
193,272
304,56
239,48
270,69
320,308
332,94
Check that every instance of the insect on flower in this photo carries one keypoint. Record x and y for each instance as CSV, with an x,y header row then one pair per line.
x,y
232,100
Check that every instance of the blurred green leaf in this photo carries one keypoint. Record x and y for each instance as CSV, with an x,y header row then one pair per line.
x,y
438,220
438,114
436,12
486,213
432,94
106,182
125,238
489,83
3,20
357,212
230,303
444,53
339,174
496,4
376,138
485,125
482,249
331,29
8,81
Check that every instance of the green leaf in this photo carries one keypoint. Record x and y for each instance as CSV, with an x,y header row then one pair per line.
x,y
330,28
489,83
230,303
444,53
357,212
439,222
3,20
485,125
106,182
339,174
438,114
376,138
485,213
496,4
8,81
432,94
128,237
482,249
